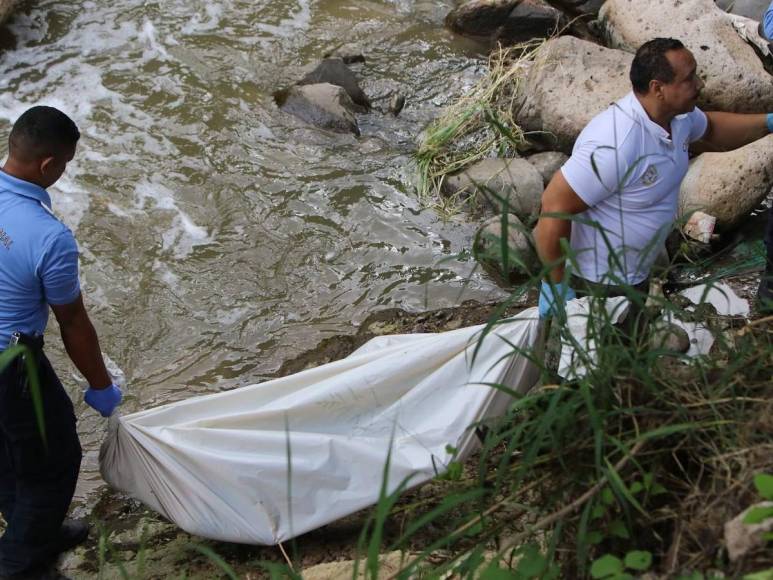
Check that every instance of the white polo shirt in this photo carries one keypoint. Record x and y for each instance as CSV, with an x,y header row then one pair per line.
x,y
628,170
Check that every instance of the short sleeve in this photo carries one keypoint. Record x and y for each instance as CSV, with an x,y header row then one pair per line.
x,y
698,124
58,270
595,172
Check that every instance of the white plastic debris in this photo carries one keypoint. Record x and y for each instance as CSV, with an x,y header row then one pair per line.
x,y
720,296
582,347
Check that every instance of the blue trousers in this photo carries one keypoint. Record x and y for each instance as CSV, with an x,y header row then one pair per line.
x,y
37,480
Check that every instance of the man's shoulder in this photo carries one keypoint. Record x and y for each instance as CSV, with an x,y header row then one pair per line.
x,y
612,126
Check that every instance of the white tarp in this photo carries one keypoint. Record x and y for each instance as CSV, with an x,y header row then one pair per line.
x,y
218,465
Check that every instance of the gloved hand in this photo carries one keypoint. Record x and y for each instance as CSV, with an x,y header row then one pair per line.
x,y
103,400
549,295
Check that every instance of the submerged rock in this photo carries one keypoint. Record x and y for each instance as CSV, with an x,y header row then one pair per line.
x,y
506,21
480,17
522,260
529,19
515,179
547,163
728,185
735,78
333,71
323,105
568,83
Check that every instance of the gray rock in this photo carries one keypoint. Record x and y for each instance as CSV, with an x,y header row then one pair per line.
x,y
749,8
396,104
529,19
323,105
547,163
480,17
522,260
736,79
742,538
728,185
333,71
516,180
568,83
348,53
670,337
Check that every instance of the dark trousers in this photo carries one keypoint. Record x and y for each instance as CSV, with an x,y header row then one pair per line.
x,y
37,480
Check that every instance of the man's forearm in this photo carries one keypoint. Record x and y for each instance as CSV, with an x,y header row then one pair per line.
x,y
732,130
82,345
547,237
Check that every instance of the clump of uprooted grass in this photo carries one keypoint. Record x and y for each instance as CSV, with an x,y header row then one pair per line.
x,y
476,126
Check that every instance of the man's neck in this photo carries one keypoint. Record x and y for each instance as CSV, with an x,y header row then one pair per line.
x,y
20,171
654,111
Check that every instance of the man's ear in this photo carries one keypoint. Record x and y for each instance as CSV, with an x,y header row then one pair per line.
x,y
45,164
656,88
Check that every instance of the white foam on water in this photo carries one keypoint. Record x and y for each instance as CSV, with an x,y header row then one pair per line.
x,y
183,234
147,36
209,21
69,201
168,277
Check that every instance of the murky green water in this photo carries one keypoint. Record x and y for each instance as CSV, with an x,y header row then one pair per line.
x,y
219,236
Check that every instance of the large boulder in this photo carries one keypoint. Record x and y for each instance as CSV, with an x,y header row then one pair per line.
x,y
521,261
729,185
333,71
749,8
479,17
529,19
735,77
323,105
515,180
506,21
568,83
6,9
547,163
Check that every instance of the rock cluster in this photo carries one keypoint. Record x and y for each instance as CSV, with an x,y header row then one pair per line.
x,y
569,80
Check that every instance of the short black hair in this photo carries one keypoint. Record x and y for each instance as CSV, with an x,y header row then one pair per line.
x,y
42,132
650,63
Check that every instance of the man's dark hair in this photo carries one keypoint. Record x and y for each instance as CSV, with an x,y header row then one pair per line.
x,y
650,63
42,132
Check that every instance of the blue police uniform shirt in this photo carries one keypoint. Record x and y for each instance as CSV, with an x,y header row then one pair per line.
x,y
38,259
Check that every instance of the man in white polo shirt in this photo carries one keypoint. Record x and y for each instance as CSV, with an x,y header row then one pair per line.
x,y
622,180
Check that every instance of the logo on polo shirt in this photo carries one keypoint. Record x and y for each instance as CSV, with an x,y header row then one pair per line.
x,y
5,239
650,175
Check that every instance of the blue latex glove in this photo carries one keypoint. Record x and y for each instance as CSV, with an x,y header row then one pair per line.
x,y
103,400
548,295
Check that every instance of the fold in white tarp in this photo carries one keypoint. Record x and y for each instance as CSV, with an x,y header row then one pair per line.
x,y
219,467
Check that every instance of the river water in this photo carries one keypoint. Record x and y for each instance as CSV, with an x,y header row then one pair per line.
x,y
219,236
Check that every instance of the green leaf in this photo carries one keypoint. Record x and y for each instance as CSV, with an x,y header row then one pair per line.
x,y
598,512
767,536
758,514
764,484
606,566
617,528
761,575
532,563
607,496
636,487
639,560
594,537
648,479
494,572
658,489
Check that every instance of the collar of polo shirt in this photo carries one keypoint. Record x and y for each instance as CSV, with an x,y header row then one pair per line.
x,y
25,188
655,129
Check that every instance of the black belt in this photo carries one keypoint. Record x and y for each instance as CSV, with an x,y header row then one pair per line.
x,y
33,342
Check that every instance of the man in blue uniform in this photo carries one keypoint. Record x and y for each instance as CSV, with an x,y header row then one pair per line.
x,y
38,269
